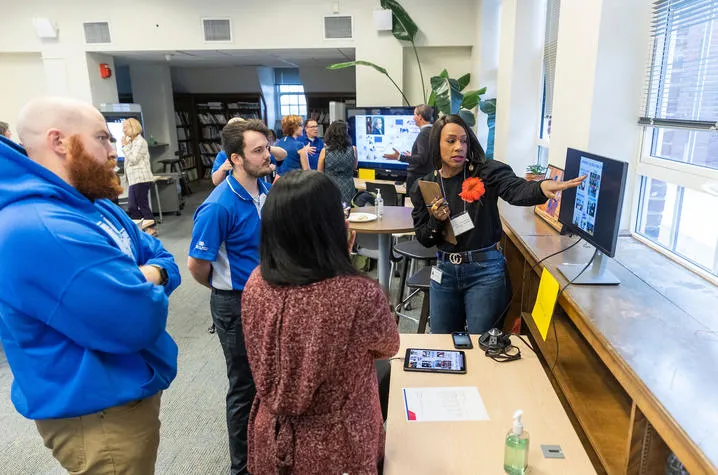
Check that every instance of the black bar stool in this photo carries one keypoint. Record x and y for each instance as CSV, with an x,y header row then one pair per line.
x,y
411,250
419,282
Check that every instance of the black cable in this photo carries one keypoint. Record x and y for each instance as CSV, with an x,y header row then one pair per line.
x,y
553,315
523,278
527,344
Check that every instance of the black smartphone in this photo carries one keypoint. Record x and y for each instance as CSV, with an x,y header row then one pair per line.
x,y
462,340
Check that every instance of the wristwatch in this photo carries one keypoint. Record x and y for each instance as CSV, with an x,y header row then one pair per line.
x,y
164,278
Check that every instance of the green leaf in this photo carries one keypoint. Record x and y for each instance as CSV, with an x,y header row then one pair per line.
x,y
447,95
471,99
488,106
351,64
464,81
404,28
468,117
444,74
432,100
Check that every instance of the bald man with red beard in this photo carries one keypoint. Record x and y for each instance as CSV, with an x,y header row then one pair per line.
x,y
83,307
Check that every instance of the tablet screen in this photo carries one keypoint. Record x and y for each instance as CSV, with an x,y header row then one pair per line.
x,y
434,360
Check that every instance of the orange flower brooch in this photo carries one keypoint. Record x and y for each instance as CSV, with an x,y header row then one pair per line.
x,y
472,190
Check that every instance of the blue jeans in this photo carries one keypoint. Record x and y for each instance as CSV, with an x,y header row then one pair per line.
x,y
471,295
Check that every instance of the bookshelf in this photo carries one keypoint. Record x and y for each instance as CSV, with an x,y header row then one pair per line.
x,y
200,119
318,104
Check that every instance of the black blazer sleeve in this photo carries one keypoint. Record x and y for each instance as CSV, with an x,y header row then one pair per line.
x,y
511,188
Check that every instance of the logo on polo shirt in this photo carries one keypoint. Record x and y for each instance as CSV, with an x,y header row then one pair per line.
x,y
200,246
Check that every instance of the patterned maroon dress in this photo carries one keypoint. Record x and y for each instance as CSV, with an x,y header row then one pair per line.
x,y
312,351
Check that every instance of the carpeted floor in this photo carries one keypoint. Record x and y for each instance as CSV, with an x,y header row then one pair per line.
x,y
193,437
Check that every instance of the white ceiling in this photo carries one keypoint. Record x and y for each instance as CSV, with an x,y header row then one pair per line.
x,y
277,58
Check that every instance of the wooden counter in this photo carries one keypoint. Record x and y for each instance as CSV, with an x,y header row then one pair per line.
x,y
477,447
636,362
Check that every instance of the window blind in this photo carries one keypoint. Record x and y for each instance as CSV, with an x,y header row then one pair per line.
x,y
553,8
681,87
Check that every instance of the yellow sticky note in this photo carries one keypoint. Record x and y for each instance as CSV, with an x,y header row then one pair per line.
x,y
545,302
366,174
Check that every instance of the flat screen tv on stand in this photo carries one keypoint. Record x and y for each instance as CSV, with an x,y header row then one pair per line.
x,y
376,131
593,212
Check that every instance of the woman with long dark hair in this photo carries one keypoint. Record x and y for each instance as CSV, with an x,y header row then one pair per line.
x,y
338,159
313,327
470,287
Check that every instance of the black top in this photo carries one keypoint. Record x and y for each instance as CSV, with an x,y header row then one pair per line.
x,y
419,163
499,181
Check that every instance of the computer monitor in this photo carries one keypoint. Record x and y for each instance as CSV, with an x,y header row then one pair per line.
x,y
115,114
593,211
379,130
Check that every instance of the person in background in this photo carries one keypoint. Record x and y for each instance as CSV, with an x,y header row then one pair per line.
x,y
223,251
83,310
418,160
139,175
5,130
338,159
296,150
312,143
222,167
470,288
317,407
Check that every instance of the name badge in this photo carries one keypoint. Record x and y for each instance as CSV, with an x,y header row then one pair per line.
x,y
436,274
461,223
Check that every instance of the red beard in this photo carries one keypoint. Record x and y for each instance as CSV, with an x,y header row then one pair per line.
x,y
93,180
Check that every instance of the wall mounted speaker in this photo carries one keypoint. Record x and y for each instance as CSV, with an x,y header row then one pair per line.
x,y
45,28
383,20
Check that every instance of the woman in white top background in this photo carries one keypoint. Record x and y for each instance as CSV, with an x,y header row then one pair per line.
x,y
139,174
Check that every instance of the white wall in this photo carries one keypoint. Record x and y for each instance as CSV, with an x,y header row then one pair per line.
x,y
215,80
457,60
104,91
518,101
152,88
176,25
486,58
23,77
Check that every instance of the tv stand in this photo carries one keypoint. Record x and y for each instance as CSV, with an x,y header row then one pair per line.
x,y
596,274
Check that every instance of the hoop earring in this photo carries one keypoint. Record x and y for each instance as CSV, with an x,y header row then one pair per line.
x,y
471,167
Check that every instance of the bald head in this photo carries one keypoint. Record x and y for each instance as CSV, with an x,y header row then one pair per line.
x,y
68,116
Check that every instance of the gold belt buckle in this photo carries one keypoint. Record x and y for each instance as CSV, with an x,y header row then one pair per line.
x,y
455,258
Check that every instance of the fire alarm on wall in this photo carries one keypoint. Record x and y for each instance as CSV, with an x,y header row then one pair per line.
x,y
105,71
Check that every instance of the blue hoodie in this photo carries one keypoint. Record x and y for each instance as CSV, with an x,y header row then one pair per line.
x,y
81,327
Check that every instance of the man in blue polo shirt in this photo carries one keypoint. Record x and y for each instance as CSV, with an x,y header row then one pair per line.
x,y
312,142
223,252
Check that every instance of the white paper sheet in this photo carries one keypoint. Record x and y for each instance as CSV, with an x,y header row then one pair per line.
x,y
444,404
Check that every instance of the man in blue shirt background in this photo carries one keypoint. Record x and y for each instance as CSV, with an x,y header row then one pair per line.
x,y
222,168
223,252
312,142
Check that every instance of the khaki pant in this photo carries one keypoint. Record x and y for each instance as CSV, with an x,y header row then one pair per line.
x,y
118,440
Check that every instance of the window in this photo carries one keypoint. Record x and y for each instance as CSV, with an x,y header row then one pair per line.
x,y
290,92
549,73
292,100
678,169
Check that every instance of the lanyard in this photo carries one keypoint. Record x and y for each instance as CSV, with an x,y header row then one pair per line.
x,y
443,190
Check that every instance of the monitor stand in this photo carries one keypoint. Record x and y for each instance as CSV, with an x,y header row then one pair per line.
x,y
595,274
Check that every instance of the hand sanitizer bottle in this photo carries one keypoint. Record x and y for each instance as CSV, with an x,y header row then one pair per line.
x,y
516,453
379,204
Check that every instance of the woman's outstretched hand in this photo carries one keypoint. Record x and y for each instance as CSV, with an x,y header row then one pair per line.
x,y
550,187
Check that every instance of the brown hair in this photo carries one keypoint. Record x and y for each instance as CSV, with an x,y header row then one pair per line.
x,y
233,135
290,124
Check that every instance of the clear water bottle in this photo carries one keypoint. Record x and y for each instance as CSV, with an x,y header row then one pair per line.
x,y
379,204
674,466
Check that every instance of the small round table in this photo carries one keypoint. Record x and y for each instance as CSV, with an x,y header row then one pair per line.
x,y
396,219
